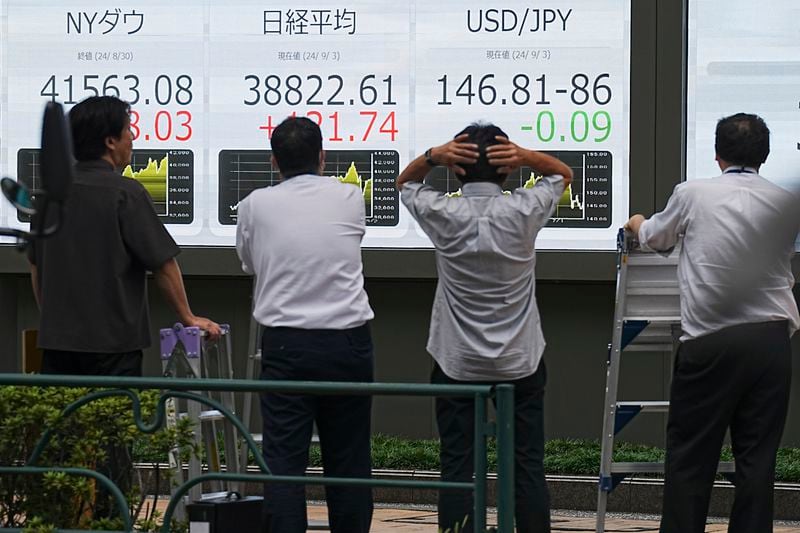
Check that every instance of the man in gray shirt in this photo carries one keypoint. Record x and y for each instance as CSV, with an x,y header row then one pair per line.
x,y
733,367
485,325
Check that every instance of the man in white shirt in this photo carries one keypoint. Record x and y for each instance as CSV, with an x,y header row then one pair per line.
x,y
733,367
302,241
485,325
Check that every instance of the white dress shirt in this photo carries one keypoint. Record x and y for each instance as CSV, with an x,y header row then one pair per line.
x,y
302,240
735,263
485,323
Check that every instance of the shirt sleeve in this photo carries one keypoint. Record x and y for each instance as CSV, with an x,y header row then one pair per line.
x,y
142,231
540,201
660,232
417,197
424,203
361,210
243,237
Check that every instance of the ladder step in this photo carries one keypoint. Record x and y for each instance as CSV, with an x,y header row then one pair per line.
x,y
656,337
651,260
653,291
655,319
655,468
647,407
671,282
647,347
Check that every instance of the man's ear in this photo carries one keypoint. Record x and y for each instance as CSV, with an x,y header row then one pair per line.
x,y
274,163
321,161
110,143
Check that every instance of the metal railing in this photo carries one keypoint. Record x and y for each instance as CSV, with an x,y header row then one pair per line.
x,y
502,429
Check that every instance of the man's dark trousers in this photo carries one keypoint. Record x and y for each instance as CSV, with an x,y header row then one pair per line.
x,y
738,377
343,423
92,364
456,420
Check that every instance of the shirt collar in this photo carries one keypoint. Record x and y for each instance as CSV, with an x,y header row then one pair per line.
x,y
736,169
300,177
481,188
95,164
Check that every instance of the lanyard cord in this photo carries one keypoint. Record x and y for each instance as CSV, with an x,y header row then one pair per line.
x,y
740,170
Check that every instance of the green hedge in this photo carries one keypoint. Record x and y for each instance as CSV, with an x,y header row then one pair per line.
x,y
562,456
40,503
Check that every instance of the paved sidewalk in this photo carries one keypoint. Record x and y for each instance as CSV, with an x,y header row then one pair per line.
x,y
402,518
391,519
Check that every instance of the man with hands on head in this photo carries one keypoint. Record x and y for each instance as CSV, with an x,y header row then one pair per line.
x,y
485,325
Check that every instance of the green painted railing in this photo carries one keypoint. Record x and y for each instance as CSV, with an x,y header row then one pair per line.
x,y
502,429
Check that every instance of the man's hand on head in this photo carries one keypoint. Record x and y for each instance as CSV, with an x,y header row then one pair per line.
x,y
506,155
452,155
456,153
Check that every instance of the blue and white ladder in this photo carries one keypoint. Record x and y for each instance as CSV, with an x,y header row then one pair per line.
x,y
646,319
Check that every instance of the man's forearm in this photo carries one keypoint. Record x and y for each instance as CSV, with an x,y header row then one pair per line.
x,y
35,285
170,281
548,165
415,171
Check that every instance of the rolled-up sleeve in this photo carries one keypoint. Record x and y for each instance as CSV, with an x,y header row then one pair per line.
x,y
425,204
542,199
660,232
418,198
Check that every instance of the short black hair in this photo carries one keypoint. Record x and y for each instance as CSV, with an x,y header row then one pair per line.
x,y
484,135
296,144
93,120
742,139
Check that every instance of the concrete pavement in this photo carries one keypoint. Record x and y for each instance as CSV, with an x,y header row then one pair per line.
x,y
395,519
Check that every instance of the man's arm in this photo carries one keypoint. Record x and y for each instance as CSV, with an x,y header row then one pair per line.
x,y
170,281
243,238
35,285
661,231
508,157
452,154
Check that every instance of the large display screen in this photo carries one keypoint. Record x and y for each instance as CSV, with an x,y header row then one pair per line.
x,y
744,56
209,80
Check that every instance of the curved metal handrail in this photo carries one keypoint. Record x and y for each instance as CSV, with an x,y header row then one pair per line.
x,y
182,387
